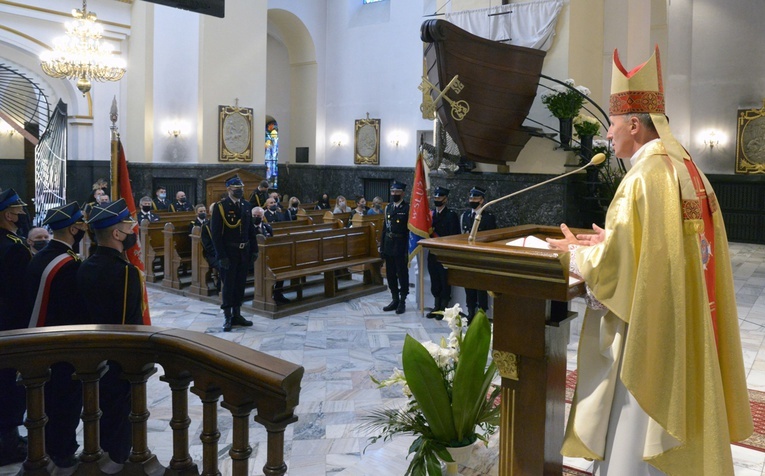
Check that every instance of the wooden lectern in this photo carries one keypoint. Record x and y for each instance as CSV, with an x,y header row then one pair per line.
x,y
531,290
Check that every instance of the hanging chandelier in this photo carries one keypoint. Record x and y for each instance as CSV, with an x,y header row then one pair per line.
x,y
81,54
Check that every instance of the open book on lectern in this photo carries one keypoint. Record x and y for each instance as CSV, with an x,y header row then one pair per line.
x,y
532,241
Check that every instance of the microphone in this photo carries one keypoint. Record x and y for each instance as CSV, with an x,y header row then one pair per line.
x,y
596,160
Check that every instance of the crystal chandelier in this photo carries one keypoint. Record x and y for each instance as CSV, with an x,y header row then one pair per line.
x,y
81,54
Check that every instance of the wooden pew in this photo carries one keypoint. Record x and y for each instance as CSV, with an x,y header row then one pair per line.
x,y
202,275
301,220
297,255
284,230
330,217
153,242
361,220
177,253
317,216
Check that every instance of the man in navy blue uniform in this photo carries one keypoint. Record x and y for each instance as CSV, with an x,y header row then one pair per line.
x,y
52,296
111,288
445,223
235,247
14,259
476,298
394,247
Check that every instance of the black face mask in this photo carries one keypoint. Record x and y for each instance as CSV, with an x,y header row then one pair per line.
x,y
474,205
202,216
182,200
39,244
130,240
78,237
397,198
294,204
439,203
146,208
273,208
257,220
238,193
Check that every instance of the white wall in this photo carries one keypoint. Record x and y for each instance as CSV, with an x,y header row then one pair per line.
x,y
176,84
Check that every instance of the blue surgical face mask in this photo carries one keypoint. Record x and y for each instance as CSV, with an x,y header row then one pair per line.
x,y
162,196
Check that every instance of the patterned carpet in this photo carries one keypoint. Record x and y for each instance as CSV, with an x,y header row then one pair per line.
x,y
756,401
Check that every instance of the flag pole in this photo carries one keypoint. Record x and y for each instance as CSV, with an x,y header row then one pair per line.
x,y
421,284
113,164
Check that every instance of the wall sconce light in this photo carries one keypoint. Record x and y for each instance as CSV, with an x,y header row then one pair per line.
x,y
6,129
396,139
712,139
338,140
176,128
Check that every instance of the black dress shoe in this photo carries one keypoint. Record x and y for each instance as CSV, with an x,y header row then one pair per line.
x,y
392,306
401,308
227,324
432,314
280,299
239,320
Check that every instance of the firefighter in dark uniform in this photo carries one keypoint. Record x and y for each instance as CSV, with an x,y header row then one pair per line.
x,y
476,298
394,247
260,195
445,223
181,203
14,259
160,202
235,248
205,235
52,296
111,289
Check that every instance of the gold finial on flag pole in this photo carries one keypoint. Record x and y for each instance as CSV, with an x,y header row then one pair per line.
x,y
115,136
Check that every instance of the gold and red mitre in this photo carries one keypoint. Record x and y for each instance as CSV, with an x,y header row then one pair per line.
x,y
641,91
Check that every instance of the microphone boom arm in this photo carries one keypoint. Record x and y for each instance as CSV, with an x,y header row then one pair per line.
x,y
596,160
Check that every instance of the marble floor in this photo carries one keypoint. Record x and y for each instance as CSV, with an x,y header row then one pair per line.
x,y
341,345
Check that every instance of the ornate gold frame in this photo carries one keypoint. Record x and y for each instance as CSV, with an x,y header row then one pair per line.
x,y
750,141
233,121
366,144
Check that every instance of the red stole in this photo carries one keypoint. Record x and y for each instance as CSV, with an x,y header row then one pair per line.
x,y
707,238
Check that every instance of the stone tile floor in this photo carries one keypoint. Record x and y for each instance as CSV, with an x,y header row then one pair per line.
x,y
340,345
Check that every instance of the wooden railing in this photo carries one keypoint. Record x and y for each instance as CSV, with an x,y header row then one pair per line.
x,y
246,380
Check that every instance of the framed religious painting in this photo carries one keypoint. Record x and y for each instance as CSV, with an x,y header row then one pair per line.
x,y
367,142
234,133
750,141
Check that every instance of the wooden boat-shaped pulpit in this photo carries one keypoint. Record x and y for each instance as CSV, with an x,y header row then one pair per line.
x,y
531,290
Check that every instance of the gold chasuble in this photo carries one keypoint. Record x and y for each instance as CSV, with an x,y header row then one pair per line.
x,y
683,366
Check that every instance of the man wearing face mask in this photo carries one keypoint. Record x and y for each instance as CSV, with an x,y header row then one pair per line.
x,y
37,238
260,195
181,204
445,223
52,296
14,259
160,202
476,298
145,212
394,247
208,250
235,247
112,294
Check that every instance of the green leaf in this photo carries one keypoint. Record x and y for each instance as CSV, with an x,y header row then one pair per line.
x,y
429,389
469,377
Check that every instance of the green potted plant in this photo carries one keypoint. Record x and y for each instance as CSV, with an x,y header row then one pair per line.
x,y
586,127
564,102
452,401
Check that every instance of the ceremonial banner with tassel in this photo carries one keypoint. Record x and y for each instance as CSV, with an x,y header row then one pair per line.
x,y
420,217
134,253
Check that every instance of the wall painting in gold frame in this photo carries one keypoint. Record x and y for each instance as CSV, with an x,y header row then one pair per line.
x,y
750,141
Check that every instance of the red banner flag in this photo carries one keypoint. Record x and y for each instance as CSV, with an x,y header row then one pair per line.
x,y
134,253
420,217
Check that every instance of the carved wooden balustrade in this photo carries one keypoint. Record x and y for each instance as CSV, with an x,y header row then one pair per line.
x,y
246,380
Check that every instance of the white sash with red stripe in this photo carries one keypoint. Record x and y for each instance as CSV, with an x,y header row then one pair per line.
x,y
40,310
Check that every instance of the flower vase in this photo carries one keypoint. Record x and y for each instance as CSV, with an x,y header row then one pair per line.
x,y
585,148
460,455
566,130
